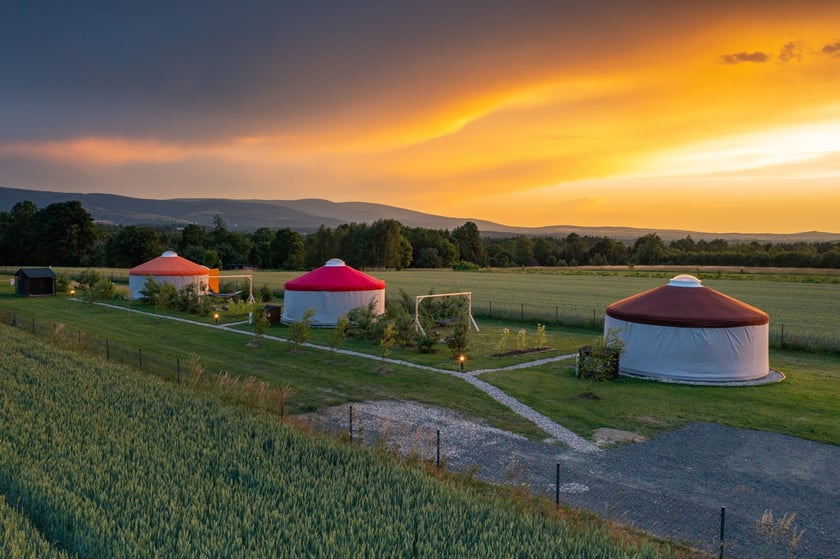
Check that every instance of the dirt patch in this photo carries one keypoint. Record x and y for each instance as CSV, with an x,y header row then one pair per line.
x,y
605,437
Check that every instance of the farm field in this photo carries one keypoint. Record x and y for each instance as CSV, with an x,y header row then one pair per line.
x,y
804,405
111,463
803,307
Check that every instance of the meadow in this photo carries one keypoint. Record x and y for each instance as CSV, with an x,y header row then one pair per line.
x,y
804,405
107,462
802,304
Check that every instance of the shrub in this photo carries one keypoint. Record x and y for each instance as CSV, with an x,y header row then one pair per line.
x,y
460,335
167,296
261,323
266,294
62,282
601,364
150,293
465,266
540,336
363,321
102,290
387,339
340,332
504,336
299,330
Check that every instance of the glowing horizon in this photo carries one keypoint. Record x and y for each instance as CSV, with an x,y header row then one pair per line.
x,y
531,118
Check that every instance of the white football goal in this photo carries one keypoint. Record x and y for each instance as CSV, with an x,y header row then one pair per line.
x,y
419,298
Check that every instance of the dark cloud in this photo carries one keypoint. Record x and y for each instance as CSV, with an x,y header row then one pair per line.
x,y
741,57
210,69
832,49
791,51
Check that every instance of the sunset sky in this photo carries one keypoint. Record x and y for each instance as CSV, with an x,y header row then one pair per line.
x,y
713,115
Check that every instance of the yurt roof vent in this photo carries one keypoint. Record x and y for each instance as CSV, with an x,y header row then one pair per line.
x,y
334,262
169,254
685,280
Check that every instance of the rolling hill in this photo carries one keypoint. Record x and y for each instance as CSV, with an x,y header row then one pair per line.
x,y
306,215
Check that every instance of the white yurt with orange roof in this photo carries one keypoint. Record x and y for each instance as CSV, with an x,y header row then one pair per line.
x,y
685,331
332,290
168,268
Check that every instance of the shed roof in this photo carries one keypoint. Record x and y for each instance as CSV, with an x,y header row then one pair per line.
x,y
685,302
335,275
169,264
35,273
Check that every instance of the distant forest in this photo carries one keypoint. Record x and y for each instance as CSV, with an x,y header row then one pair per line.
x,y
64,234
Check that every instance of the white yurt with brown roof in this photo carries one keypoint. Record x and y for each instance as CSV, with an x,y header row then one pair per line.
x,y
168,268
332,290
685,331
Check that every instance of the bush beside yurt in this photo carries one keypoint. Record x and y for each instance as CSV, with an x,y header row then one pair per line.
x,y
168,268
685,331
332,290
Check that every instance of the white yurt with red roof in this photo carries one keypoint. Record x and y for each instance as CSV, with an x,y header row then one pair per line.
x,y
168,268
687,332
332,290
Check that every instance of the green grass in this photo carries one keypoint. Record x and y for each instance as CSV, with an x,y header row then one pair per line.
x,y
806,404
802,304
110,463
318,379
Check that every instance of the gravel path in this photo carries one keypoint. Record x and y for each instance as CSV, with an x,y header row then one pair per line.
x,y
673,485
548,425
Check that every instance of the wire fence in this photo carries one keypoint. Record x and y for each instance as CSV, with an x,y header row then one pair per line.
x,y
170,367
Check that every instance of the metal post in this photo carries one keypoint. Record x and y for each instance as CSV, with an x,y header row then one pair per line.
x,y
351,423
33,325
437,459
178,363
783,335
557,488
140,352
14,319
722,523
107,350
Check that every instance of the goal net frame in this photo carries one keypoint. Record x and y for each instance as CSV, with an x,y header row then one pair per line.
x,y
419,298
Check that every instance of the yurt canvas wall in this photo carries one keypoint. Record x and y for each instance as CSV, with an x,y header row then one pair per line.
x,y
332,290
685,331
168,268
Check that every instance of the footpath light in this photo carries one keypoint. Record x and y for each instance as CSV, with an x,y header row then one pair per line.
x,y
216,317
461,359
72,292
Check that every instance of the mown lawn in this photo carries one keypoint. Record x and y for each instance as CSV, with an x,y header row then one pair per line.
x,y
803,304
806,405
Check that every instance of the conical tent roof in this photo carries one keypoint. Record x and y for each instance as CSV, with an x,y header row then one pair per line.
x,y
685,302
169,264
335,275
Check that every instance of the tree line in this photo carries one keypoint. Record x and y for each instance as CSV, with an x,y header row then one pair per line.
x,y
64,234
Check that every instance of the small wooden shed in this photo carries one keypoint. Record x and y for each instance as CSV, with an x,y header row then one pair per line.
x,y
34,282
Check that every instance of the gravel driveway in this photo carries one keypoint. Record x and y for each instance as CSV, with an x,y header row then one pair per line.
x,y
673,485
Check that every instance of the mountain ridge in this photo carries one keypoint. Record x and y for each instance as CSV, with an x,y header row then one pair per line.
x,y
308,214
